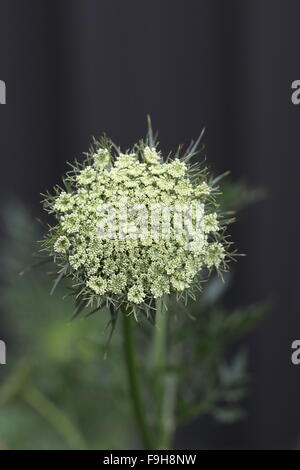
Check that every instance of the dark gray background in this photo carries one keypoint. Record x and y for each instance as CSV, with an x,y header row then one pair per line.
x,y
77,68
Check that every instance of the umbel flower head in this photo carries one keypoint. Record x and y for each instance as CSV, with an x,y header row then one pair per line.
x,y
134,226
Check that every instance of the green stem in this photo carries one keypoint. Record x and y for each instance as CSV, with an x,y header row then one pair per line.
x,y
160,333
55,417
164,381
135,393
167,412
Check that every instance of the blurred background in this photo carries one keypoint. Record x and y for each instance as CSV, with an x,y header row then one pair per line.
x,y
75,69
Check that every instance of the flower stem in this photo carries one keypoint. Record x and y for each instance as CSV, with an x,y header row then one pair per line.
x,y
160,333
135,393
164,381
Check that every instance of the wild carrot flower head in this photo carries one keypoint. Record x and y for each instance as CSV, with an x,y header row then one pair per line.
x,y
131,227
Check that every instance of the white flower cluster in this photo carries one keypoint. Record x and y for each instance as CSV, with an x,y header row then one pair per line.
x,y
133,268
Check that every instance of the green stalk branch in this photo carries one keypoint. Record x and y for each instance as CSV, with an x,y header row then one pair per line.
x,y
54,416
